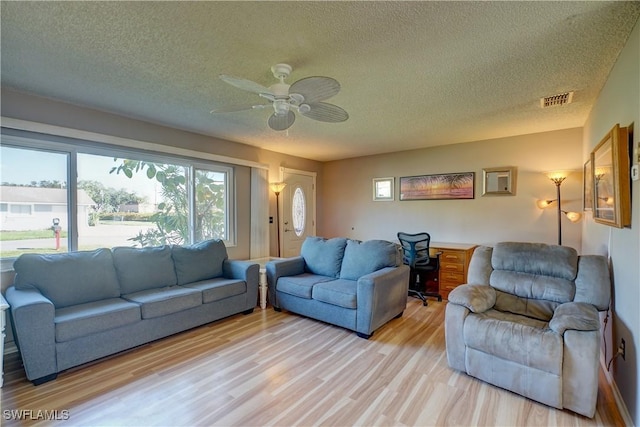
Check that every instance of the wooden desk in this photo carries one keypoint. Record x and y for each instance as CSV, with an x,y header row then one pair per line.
x,y
454,264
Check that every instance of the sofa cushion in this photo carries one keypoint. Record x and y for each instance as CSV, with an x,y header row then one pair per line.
x,y
144,268
218,289
341,292
522,340
323,256
200,261
300,285
93,317
163,301
362,258
69,278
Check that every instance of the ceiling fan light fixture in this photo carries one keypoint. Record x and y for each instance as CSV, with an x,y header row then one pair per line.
x,y
304,108
281,107
304,96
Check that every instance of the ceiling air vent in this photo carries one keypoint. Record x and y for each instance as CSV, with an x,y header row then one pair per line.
x,y
556,100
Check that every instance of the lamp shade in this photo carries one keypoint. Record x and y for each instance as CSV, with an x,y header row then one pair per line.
x,y
542,204
557,176
573,216
277,187
553,175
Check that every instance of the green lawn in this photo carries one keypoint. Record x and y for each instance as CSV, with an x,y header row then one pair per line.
x,y
29,234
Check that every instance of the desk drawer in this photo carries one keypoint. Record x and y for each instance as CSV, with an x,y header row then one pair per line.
x,y
447,267
453,279
453,257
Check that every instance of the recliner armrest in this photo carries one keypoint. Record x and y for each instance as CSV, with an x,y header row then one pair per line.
x,y
578,316
477,298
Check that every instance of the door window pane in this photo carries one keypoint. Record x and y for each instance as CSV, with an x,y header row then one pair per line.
x,y
299,211
34,183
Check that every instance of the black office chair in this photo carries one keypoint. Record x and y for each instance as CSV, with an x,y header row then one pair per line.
x,y
422,266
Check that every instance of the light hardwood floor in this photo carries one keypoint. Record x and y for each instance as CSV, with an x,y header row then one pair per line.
x,y
281,369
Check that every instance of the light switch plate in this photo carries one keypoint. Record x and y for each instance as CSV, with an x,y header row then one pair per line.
x,y
635,174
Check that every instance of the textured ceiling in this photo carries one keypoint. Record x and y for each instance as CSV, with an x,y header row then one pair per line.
x,y
413,74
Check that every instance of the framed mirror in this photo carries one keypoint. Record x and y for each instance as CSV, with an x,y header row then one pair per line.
x,y
610,172
499,181
383,189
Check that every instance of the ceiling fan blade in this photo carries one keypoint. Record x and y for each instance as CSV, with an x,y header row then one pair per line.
x,y
245,84
325,112
243,107
315,89
282,122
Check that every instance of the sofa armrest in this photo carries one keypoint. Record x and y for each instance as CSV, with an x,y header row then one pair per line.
x,y
241,270
578,316
381,296
32,319
476,298
279,268
247,271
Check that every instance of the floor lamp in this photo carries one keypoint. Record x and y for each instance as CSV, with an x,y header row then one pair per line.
x,y
277,187
557,178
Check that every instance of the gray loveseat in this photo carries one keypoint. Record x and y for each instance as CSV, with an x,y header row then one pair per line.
x,y
528,321
68,309
356,285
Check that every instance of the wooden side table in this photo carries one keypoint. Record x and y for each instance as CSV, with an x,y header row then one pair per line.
x,y
3,308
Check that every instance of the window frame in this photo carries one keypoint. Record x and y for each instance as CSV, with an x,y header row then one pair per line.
x,y
72,147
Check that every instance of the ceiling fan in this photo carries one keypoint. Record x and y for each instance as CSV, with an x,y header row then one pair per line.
x,y
304,96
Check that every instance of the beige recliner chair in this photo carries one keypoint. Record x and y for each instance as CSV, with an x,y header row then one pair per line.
x,y
527,321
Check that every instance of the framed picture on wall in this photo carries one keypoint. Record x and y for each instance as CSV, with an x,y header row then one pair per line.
x,y
610,169
587,186
383,189
441,186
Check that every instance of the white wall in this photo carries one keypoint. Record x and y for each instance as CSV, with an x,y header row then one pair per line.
x,y
619,102
349,210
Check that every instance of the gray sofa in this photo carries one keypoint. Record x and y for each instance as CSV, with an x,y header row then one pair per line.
x,y
528,321
68,309
356,285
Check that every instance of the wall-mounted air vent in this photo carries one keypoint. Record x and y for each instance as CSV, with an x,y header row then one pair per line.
x,y
556,100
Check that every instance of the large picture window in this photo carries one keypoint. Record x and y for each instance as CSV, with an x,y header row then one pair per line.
x,y
120,197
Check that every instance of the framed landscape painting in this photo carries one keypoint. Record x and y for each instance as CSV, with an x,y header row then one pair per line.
x,y
442,186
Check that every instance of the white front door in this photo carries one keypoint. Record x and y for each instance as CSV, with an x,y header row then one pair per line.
x,y
298,210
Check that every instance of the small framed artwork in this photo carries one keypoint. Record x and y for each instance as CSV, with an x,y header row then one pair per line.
x,y
443,186
383,189
587,187
611,191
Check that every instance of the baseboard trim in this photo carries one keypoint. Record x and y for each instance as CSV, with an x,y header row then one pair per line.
x,y
10,347
624,412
